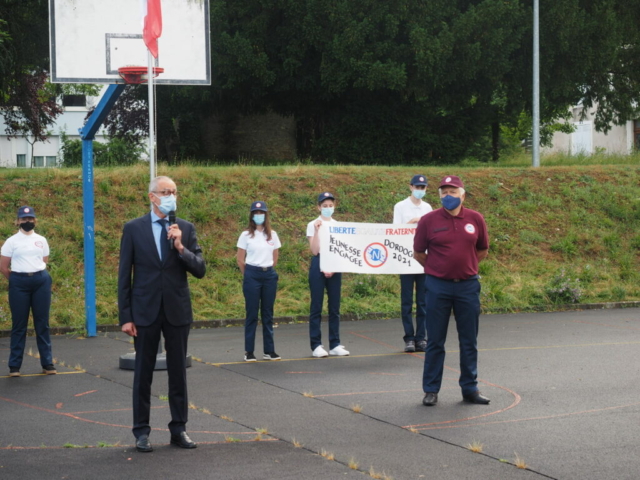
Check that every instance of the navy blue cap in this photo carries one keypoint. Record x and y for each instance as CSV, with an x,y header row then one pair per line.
x,y
259,206
26,212
419,180
325,196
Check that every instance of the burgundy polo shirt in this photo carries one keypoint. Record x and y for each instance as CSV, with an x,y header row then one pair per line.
x,y
451,242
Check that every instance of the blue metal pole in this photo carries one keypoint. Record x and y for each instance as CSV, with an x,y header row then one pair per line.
x,y
89,238
87,133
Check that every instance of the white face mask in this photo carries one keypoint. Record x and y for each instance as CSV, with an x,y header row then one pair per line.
x,y
418,193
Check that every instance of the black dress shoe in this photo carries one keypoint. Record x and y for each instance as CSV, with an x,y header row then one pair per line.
x,y
143,445
430,399
476,397
183,441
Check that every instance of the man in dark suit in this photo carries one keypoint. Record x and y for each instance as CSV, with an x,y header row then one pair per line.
x,y
154,298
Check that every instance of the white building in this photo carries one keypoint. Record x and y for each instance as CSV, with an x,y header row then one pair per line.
x,y
621,139
17,151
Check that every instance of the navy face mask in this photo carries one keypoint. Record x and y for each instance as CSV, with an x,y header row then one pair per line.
x,y
450,203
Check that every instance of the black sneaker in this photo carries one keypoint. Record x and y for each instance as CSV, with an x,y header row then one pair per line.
x,y
14,372
410,346
49,370
421,346
249,357
271,356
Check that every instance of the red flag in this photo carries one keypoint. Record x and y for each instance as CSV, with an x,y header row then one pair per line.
x,y
152,26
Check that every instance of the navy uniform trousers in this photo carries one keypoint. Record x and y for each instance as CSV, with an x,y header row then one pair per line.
x,y
30,293
407,284
259,286
317,284
463,298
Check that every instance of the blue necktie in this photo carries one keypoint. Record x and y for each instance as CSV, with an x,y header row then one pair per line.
x,y
164,241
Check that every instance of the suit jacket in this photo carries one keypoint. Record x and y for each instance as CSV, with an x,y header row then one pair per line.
x,y
145,282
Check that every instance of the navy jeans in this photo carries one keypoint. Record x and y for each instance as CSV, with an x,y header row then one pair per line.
x,y
464,299
318,283
30,294
407,284
259,287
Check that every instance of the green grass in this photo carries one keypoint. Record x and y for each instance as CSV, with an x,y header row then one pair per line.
x,y
580,218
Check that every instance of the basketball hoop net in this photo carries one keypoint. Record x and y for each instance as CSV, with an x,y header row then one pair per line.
x,y
137,75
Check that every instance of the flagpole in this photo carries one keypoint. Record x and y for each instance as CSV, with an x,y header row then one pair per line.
x,y
152,142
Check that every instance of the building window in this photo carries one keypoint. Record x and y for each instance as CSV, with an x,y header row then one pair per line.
x,y
21,160
74,101
38,161
636,134
52,161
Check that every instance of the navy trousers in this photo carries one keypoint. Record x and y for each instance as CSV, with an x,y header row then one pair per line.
x,y
259,287
30,294
464,298
318,283
409,283
146,344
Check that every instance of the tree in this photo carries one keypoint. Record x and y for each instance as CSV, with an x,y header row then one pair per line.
x,y
33,108
385,75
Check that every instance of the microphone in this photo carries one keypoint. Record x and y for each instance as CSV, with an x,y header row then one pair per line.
x,y
172,221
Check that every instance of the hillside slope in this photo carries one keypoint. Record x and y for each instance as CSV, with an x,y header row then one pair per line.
x,y
550,228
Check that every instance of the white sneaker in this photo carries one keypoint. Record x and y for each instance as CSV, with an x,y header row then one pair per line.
x,y
339,351
320,352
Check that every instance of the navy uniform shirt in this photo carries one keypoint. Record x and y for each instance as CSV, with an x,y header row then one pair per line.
x,y
451,242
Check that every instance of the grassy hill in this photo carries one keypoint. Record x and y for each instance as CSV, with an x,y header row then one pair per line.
x,y
558,234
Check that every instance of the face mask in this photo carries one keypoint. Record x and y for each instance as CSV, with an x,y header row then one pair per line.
x,y
259,218
27,226
167,204
418,193
450,203
327,212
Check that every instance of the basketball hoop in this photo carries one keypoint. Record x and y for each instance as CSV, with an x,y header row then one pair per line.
x,y
137,75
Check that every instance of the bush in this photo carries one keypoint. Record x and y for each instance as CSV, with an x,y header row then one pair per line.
x,y
564,289
116,152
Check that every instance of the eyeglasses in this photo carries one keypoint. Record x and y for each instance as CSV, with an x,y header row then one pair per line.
x,y
164,193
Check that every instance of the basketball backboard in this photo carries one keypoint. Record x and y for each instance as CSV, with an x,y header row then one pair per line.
x,y
91,39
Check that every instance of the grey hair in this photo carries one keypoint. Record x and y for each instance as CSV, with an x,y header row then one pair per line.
x,y
462,191
153,184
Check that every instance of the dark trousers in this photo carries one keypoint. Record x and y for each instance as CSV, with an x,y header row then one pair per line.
x,y
408,283
259,288
464,299
318,283
30,294
146,344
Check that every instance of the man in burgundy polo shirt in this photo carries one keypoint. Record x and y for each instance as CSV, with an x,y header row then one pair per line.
x,y
449,243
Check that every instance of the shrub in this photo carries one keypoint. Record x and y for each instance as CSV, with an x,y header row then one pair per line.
x,y
563,288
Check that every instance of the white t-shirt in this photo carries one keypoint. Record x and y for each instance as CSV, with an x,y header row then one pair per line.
x,y
405,210
259,249
311,230
26,252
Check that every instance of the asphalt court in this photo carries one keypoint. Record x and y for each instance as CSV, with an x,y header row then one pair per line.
x,y
562,386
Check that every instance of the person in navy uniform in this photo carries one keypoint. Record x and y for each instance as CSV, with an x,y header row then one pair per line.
x,y
320,281
257,257
449,243
23,261
410,211
154,299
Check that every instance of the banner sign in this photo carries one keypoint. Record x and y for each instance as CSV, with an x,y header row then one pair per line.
x,y
367,248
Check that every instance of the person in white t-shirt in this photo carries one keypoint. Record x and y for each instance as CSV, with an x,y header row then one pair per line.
x,y
409,211
23,261
257,257
320,281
